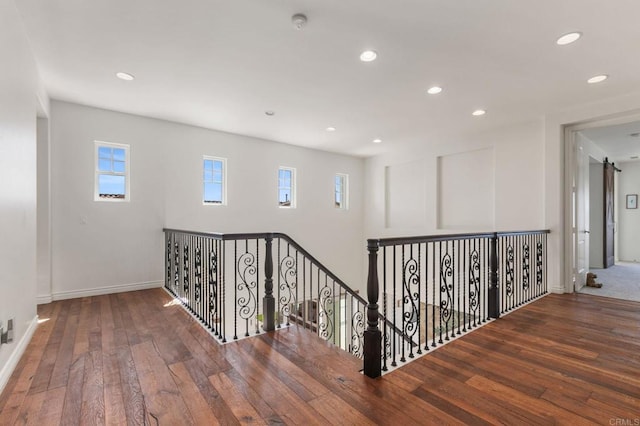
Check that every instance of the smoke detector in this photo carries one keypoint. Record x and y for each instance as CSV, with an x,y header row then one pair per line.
x,y
299,21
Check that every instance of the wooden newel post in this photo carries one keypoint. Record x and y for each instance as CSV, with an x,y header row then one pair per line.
x,y
372,335
494,293
268,302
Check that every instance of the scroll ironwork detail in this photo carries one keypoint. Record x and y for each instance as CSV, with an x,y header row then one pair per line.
x,y
325,314
288,272
526,267
474,282
198,274
357,333
213,282
510,278
176,277
411,278
169,264
185,278
247,270
539,264
446,288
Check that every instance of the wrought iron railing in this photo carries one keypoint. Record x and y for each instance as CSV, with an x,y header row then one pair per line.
x,y
435,288
219,279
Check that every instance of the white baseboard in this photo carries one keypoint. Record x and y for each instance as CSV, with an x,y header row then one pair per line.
x,y
556,290
43,300
120,288
18,351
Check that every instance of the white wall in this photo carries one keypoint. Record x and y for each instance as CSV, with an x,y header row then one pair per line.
x,y
19,91
591,149
629,225
106,246
511,171
43,213
333,236
402,183
99,247
466,183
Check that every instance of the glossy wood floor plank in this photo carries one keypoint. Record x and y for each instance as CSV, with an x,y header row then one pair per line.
x,y
137,359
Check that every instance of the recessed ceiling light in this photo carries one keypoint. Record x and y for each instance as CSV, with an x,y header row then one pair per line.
x,y
269,113
434,90
568,38
368,56
597,79
479,112
125,76
331,129
377,140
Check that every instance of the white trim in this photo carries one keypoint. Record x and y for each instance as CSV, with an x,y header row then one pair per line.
x,y
12,362
119,288
568,273
43,300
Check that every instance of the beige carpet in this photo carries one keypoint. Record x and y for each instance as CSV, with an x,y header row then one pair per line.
x,y
620,281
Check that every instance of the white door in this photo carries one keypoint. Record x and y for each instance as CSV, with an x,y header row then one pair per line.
x,y
581,216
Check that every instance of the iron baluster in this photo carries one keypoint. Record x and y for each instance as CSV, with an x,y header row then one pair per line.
x,y
446,275
419,301
246,270
385,337
433,295
494,295
288,273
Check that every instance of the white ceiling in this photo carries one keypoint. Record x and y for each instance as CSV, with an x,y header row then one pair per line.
x,y
222,64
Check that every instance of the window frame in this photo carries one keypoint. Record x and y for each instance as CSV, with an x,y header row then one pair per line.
x,y
98,172
344,191
292,188
223,184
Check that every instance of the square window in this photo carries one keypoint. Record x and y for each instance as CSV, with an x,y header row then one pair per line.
x,y
286,187
111,172
214,181
341,191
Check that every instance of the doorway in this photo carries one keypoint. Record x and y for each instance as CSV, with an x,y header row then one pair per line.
x,y
603,229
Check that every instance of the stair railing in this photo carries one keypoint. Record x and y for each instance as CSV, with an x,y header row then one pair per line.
x,y
421,291
217,277
435,288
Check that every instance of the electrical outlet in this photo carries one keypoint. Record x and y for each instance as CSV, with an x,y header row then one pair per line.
x,y
10,331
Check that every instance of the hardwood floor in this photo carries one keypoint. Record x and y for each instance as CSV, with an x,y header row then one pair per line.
x,y
134,358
